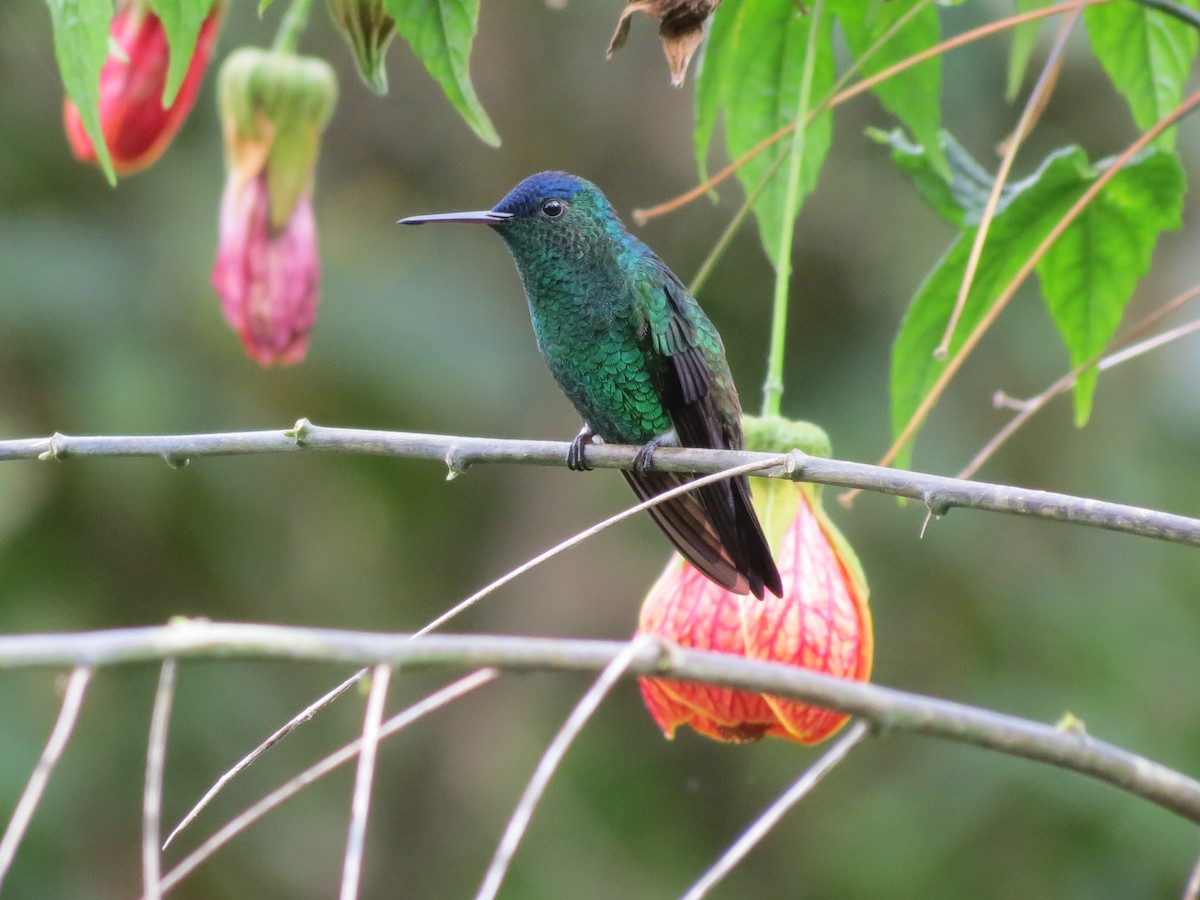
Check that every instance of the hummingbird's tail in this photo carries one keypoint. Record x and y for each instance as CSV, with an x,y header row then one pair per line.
x,y
715,528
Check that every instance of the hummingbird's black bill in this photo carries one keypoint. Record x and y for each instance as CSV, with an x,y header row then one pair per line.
x,y
482,217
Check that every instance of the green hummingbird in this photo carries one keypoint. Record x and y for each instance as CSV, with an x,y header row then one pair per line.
x,y
636,355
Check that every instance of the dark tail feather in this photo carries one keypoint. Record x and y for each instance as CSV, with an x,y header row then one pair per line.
x,y
715,529
757,560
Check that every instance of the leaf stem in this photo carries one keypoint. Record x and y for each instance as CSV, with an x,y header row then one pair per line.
x,y
294,21
773,386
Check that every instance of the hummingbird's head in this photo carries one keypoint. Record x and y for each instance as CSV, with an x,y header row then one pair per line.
x,y
558,220
548,216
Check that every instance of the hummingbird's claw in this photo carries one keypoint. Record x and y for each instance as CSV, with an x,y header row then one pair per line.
x,y
575,458
644,460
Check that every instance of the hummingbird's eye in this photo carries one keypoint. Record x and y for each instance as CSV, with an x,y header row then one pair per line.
x,y
552,209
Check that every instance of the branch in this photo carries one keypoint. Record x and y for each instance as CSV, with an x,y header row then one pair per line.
x,y
939,493
889,710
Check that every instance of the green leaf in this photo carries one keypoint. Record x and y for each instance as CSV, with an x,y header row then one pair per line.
x,y
81,30
1024,39
1015,233
913,96
181,20
1110,242
959,196
1148,56
751,77
709,85
440,32
1089,275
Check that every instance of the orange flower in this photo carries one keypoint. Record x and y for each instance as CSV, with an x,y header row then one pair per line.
x,y
822,623
136,126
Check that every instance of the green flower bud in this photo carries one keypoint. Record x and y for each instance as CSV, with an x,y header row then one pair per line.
x,y
274,106
776,434
368,29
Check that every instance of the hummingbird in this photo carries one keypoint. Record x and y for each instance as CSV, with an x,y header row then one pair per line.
x,y
639,360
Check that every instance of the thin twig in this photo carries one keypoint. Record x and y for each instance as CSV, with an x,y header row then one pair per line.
x,y
642,216
1028,408
557,749
938,492
360,804
156,755
917,418
306,714
1037,99
67,714
886,708
458,608
777,810
1191,890
251,815
280,733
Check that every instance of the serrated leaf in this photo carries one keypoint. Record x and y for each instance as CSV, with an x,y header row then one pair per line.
x,y
751,77
181,21
81,30
1024,39
1090,274
1140,201
1015,233
1147,54
441,32
913,96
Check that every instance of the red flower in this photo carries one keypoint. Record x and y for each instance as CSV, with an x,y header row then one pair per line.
x,y
822,623
136,126
267,278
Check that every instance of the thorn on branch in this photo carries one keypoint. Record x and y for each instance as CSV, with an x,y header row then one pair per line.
x,y
57,448
1071,724
457,462
667,654
299,431
937,504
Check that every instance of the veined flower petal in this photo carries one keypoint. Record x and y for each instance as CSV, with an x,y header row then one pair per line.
x,y
822,623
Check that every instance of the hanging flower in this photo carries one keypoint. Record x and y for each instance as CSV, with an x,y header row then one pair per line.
x,y
822,623
273,108
681,29
137,127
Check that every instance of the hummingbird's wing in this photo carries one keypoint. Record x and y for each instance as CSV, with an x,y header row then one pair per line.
x,y
714,527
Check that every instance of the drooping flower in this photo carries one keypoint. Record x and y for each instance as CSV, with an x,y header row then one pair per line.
x,y
267,271
681,29
137,127
822,622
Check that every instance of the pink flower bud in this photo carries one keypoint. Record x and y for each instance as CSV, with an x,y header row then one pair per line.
x,y
137,127
273,108
267,278
822,622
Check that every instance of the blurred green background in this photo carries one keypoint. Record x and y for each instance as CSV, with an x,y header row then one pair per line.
x,y
108,325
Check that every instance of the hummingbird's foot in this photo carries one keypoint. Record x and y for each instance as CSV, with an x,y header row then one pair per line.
x,y
575,460
644,460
